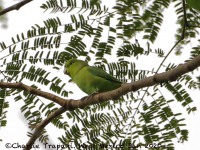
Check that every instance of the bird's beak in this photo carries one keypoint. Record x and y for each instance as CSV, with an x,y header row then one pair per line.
x,y
65,71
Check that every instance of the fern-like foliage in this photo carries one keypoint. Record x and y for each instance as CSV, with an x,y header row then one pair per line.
x,y
36,57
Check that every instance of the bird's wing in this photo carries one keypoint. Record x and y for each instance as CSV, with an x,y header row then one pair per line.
x,y
101,73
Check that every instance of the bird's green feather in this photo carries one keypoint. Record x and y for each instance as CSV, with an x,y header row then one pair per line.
x,y
100,73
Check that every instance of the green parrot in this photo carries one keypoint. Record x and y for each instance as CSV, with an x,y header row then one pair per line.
x,y
90,79
194,4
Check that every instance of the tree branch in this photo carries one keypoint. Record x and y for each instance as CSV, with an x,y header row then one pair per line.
x,y
34,91
171,75
39,128
70,105
14,7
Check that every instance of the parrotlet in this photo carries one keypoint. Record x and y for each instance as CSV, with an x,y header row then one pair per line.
x,y
90,79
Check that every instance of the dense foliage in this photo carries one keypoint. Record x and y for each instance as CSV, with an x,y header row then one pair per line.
x,y
146,116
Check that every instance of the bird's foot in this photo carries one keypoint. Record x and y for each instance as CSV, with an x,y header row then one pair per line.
x,y
84,98
89,96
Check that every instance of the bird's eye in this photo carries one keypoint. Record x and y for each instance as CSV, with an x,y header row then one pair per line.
x,y
72,62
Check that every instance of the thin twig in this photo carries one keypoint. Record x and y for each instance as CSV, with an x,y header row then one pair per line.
x,y
185,24
14,7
